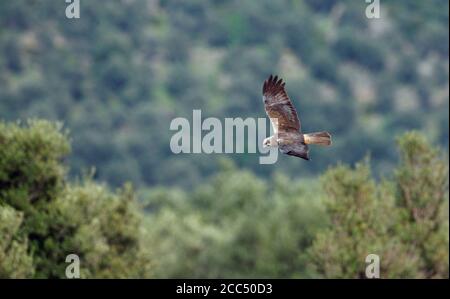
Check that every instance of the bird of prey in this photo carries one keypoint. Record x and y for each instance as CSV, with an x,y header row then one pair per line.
x,y
288,136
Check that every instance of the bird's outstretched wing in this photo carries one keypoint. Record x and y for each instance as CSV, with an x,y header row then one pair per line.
x,y
296,149
279,107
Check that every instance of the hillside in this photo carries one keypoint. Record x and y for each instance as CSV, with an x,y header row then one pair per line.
x,y
118,75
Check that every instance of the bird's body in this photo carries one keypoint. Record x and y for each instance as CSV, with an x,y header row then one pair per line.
x,y
288,136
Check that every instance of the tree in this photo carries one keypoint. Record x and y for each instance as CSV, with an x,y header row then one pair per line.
x,y
235,225
401,221
44,218
421,192
15,261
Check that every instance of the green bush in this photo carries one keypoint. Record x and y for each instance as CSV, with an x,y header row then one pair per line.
x,y
44,218
235,225
400,219
15,260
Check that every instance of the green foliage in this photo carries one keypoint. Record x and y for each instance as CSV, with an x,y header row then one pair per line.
x,y
125,69
422,190
44,218
402,221
15,261
233,226
31,174
103,229
122,72
358,49
237,225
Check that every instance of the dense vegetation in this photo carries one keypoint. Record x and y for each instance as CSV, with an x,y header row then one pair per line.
x,y
233,225
43,218
118,75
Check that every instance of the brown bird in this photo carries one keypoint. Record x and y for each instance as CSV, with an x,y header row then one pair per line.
x,y
288,136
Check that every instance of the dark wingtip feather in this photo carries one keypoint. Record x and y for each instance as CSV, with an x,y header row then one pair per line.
x,y
273,82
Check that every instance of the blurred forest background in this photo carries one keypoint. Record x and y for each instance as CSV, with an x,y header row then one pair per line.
x,y
115,78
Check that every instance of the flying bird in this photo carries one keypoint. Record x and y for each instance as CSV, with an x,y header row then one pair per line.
x,y
288,136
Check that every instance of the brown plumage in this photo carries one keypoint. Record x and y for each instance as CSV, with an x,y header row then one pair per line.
x,y
285,122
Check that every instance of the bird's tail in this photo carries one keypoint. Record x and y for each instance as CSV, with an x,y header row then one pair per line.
x,y
320,138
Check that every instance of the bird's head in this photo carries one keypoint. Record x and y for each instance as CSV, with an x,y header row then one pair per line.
x,y
267,142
